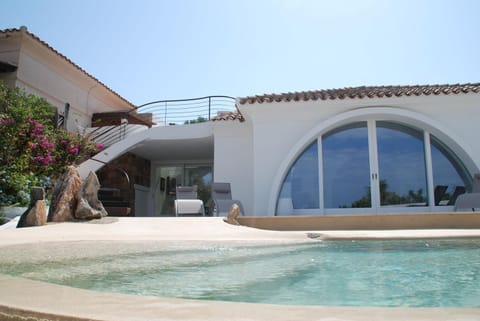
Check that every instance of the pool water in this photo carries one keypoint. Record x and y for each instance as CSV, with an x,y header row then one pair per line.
x,y
414,273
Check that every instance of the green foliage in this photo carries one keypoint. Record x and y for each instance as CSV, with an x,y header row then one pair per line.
x,y
195,121
390,198
32,150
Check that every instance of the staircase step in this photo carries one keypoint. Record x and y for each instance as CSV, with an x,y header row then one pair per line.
x,y
118,211
111,198
115,203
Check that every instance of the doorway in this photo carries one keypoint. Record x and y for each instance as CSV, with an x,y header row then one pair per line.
x,y
168,177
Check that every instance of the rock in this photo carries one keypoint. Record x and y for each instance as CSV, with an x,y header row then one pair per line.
x,y
86,212
65,197
36,214
89,207
233,214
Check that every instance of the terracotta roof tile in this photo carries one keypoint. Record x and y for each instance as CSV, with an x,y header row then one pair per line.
x,y
23,29
231,115
364,92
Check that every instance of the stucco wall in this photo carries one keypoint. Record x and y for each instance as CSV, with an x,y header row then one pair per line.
x,y
44,73
280,131
233,160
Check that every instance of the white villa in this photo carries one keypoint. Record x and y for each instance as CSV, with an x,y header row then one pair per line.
x,y
363,150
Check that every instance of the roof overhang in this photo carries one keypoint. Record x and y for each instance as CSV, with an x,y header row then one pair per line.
x,y
174,144
176,150
116,118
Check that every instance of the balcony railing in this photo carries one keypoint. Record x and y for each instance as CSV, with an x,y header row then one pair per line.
x,y
187,111
114,127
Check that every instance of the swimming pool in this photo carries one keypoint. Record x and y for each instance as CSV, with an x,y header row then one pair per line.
x,y
415,273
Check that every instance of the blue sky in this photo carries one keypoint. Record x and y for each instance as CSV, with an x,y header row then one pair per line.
x,y
151,50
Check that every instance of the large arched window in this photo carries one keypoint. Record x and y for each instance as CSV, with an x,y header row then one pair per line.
x,y
373,166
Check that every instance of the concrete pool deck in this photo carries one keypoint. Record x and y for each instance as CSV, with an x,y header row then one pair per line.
x,y
22,299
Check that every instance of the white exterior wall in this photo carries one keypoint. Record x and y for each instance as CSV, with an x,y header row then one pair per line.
x,y
281,131
44,73
233,160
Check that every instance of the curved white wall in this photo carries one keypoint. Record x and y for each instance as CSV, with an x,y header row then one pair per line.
x,y
186,132
280,131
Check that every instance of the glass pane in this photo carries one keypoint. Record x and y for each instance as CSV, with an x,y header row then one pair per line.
x,y
167,179
300,188
401,158
200,175
449,175
346,167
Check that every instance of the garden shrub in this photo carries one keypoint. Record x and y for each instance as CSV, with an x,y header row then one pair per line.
x,y
33,151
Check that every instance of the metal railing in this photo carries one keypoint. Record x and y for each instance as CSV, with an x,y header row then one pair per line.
x,y
109,135
187,111
166,113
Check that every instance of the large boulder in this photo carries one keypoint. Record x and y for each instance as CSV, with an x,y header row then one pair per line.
x,y
36,214
89,207
65,196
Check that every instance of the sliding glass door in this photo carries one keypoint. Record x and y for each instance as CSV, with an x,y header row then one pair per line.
x,y
402,179
374,164
346,167
167,178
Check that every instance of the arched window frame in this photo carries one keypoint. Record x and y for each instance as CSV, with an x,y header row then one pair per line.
x,y
389,114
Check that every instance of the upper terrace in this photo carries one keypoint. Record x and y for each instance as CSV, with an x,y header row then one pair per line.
x,y
111,127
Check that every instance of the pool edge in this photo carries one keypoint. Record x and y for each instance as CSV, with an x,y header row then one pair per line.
x,y
36,299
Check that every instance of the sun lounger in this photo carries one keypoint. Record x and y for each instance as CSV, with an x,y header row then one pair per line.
x,y
469,201
222,199
187,202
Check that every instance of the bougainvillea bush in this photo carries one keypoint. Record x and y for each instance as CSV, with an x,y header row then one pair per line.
x,y
33,151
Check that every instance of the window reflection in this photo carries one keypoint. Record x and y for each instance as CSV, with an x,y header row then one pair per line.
x,y
401,160
449,176
346,169
398,166
300,188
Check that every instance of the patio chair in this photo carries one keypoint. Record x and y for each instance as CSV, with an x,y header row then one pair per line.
x,y
459,190
470,201
476,183
222,199
187,202
439,193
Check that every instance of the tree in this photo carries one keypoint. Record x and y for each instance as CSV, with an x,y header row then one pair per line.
x,y
200,119
390,198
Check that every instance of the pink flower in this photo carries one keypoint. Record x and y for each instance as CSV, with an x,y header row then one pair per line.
x,y
99,146
46,144
74,151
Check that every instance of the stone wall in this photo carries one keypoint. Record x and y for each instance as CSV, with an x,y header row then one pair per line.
x,y
138,170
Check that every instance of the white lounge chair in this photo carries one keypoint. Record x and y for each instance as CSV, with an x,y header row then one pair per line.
x,y
187,202
222,199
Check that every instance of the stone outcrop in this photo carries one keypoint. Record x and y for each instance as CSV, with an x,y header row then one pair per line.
x,y
72,200
89,207
233,214
65,197
36,214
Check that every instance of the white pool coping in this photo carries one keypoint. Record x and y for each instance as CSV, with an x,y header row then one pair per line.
x,y
25,298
